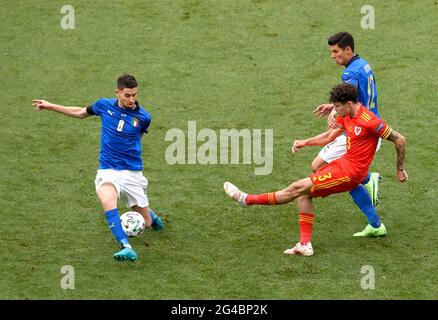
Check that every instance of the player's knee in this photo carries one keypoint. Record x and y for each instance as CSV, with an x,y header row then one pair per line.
x,y
294,189
107,199
304,199
108,204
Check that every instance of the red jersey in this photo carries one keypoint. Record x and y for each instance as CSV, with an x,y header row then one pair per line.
x,y
363,133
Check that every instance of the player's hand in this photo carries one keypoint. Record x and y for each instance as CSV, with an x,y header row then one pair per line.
x,y
331,120
323,110
297,145
402,175
41,104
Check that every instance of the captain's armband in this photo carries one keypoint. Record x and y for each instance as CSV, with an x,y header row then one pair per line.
x,y
392,136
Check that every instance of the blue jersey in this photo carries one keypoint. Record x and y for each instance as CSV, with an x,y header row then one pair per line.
x,y
122,129
358,72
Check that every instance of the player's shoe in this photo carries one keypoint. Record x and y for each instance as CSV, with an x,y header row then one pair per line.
x,y
372,186
301,249
370,231
234,193
126,254
158,224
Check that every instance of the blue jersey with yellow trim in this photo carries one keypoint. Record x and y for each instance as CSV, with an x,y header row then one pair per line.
x,y
358,72
122,129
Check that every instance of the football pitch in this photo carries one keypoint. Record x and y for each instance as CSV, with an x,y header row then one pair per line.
x,y
221,65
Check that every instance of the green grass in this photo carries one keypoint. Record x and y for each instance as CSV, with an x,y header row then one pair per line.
x,y
226,64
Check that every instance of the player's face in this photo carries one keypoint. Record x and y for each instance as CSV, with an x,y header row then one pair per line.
x,y
339,55
127,97
343,109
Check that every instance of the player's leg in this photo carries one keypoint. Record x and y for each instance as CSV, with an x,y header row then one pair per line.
x,y
337,149
317,163
144,211
332,179
363,201
332,151
305,219
107,190
372,183
300,189
328,180
148,214
293,191
375,227
156,222
134,191
107,194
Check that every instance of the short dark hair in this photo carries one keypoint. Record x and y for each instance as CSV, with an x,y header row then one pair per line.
x,y
126,81
342,39
343,93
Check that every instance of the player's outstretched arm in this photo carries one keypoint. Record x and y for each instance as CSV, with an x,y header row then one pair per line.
x,y
76,112
319,140
323,110
400,147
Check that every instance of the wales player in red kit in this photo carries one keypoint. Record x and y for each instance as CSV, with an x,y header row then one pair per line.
x,y
363,130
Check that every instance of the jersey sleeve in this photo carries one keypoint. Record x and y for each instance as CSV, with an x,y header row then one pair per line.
x,y
95,108
351,78
379,128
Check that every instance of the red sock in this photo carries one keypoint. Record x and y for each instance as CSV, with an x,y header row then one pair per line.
x,y
264,198
305,221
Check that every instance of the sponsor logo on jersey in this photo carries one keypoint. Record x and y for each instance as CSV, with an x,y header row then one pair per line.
x,y
379,127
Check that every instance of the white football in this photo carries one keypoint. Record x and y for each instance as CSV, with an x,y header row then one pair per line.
x,y
133,223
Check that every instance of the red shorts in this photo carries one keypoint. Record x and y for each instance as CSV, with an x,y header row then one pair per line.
x,y
331,178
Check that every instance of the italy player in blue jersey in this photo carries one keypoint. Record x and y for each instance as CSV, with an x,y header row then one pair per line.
x,y
357,72
119,175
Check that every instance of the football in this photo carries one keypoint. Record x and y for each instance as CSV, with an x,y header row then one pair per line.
x,y
133,223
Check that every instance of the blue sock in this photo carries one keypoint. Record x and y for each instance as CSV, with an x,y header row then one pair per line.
x,y
153,215
113,219
367,178
363,200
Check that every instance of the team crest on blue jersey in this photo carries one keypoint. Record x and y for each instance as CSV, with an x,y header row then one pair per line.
x,y
135,122
357,130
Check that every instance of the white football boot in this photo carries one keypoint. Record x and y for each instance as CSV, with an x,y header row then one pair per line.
x,y
234,193
300,249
